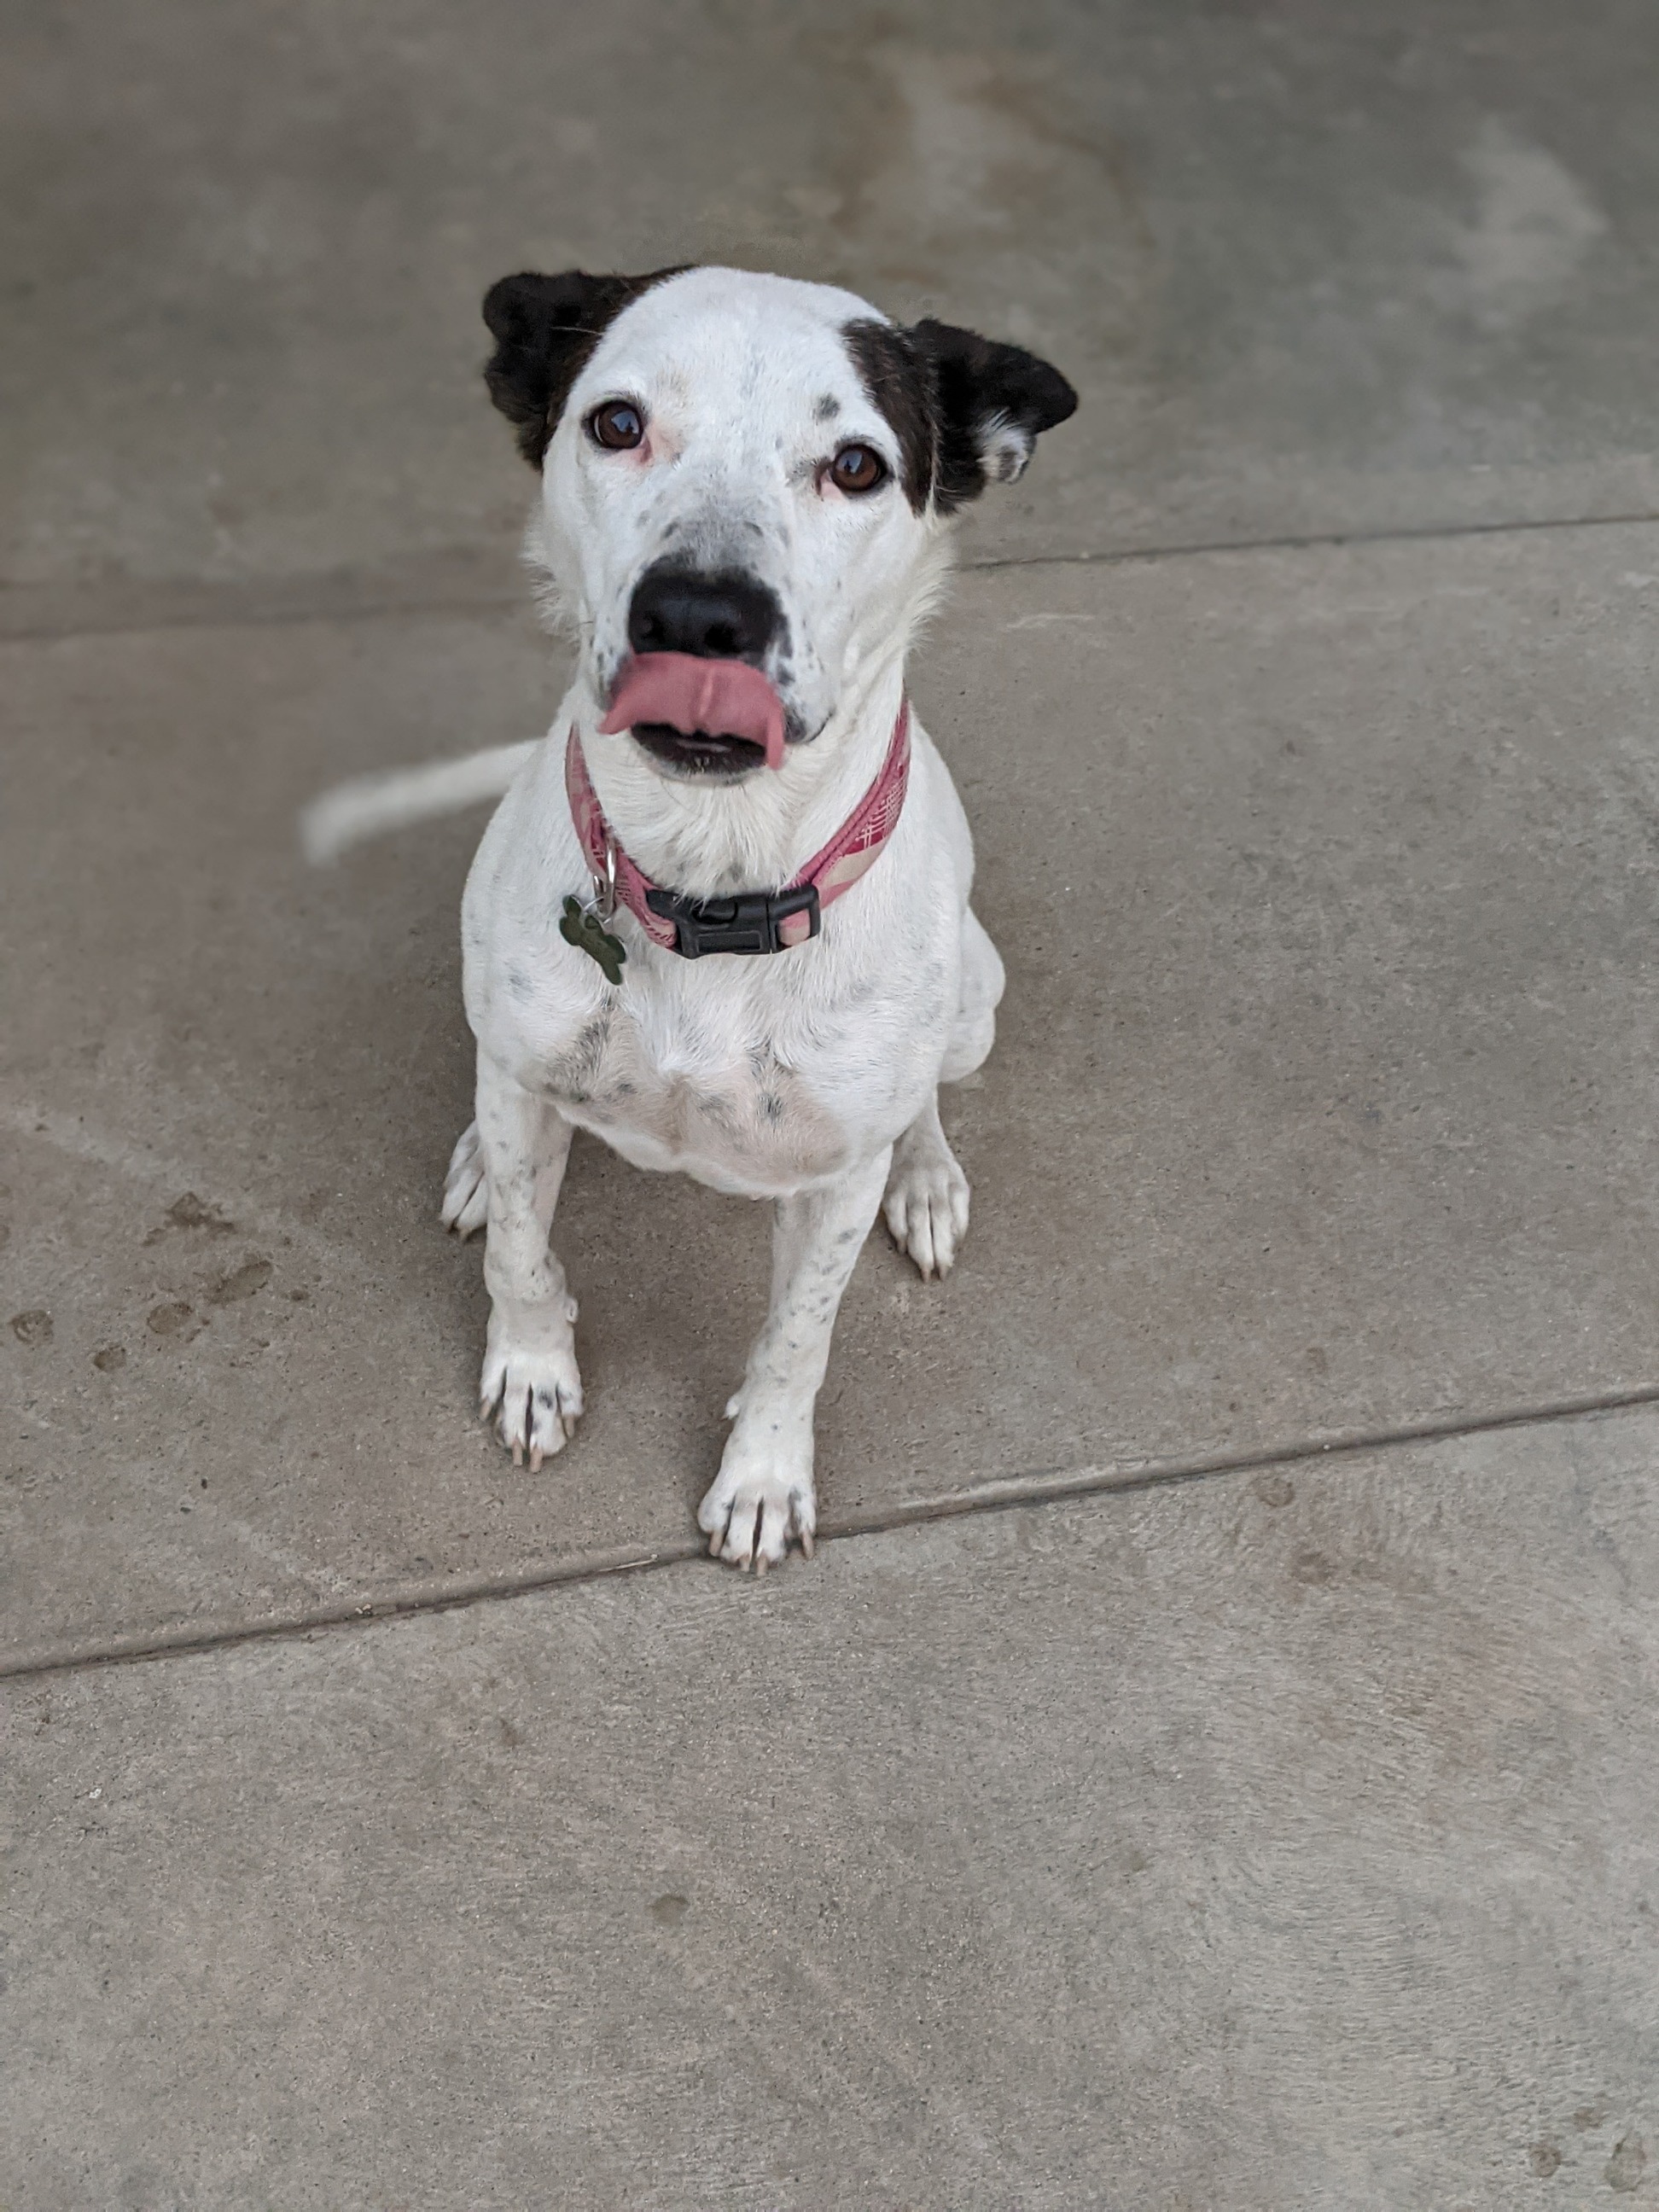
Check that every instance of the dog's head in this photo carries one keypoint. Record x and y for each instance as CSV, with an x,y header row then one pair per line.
x,y
743,479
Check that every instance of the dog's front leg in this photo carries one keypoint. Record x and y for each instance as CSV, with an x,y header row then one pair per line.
x,y
530,1381
764,1493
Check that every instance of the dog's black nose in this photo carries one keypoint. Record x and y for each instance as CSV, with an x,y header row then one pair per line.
x,y
723,616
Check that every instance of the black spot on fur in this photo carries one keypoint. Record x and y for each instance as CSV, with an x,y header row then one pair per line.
x,y
573,1076
946,393
900,387
827,409
544,329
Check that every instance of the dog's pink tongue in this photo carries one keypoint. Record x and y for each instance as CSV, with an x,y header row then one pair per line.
x,y
725,698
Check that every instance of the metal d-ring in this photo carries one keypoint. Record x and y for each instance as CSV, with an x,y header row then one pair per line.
x,y
604,886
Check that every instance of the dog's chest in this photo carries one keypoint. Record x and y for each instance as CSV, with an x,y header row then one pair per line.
x,y
705,1091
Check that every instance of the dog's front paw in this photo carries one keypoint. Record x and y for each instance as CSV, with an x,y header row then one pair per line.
x,y
759,1499
533,1391
926,1207
466,1194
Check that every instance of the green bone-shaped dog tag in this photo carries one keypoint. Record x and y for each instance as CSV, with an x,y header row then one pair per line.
x,y
589,934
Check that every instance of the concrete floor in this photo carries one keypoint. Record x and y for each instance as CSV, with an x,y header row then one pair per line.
x,y
1265,1819
1259,1842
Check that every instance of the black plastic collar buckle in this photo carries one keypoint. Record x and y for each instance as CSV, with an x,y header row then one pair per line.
x,y
747,923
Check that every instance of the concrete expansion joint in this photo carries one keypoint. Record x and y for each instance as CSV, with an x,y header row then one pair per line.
x,y
1309,541
325,599
1009,1494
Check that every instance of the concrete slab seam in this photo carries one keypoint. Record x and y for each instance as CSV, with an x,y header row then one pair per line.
x,y
1055,1487
391,606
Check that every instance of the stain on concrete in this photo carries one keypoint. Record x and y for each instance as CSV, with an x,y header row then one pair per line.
x,y
1623,2170
190,1212
241,1283
172,1319
1534,224
949,163
669,1911
1544,2158
110,1358
31,1328
1313,1569
1274,1489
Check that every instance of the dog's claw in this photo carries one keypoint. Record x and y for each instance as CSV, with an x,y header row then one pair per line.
x,y
753,1528
531,1396
926,1207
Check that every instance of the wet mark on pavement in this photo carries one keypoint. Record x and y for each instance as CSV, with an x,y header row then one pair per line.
x,y
173,1319
191,1212
241,1283
1623,2170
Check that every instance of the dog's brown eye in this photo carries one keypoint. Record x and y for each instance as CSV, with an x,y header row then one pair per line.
x,y
857,468
617,426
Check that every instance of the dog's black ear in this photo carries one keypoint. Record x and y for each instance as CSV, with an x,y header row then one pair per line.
x,y
544,329
991,403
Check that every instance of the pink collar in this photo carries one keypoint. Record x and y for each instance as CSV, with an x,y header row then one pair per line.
x,y
751,921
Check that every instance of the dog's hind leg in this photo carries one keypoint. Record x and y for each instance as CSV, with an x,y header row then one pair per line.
x,y
530,1381
764,1493
925,1206
977,1000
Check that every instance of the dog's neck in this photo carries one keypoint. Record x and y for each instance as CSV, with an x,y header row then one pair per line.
x,y
710,840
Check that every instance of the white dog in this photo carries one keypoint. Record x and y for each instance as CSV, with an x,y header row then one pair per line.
x,y
744,486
